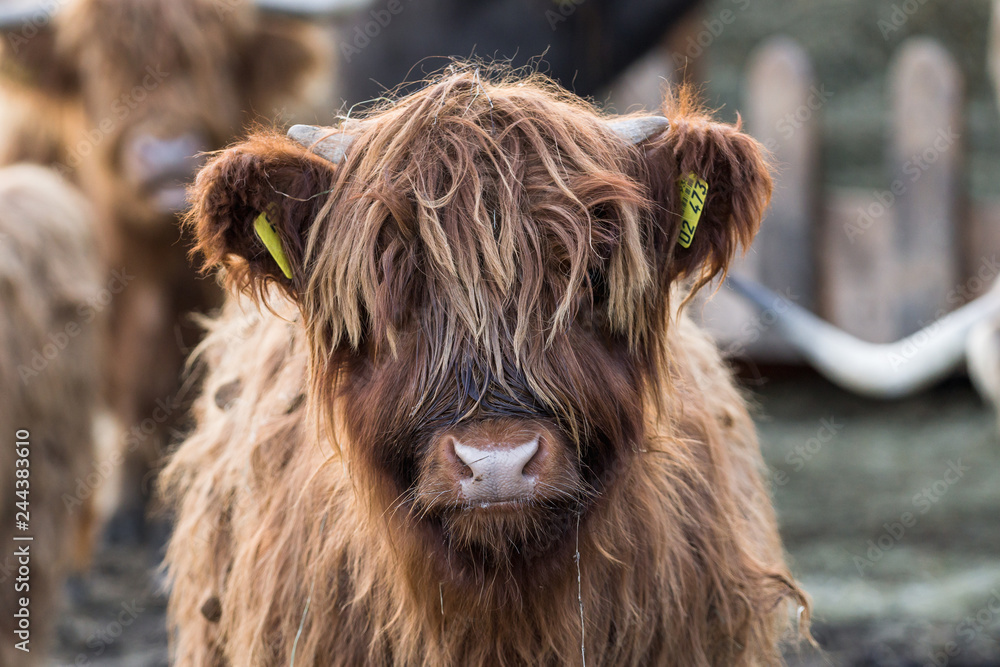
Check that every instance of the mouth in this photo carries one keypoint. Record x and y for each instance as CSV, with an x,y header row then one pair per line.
x,y
534,509
473,544
495,505
525,536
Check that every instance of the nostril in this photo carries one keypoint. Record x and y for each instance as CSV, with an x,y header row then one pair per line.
x,y
450,451
527,453
535,453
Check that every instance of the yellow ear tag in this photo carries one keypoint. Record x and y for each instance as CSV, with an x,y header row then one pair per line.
x,y
693,193
267,234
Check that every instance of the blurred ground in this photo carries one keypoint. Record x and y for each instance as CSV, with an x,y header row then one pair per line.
x,y
843,469
891,515
117,616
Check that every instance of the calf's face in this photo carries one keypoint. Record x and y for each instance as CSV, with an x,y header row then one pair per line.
x,y
495,467
483,272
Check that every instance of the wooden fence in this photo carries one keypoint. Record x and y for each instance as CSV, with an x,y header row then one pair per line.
x,y
879,262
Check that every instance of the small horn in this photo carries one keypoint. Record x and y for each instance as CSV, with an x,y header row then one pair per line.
x,y
312,9
636,130
326,142
890,370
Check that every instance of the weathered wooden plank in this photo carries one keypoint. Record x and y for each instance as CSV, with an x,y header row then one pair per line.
x,y
782,111
993,48
982,248
783,106
858,287
925,158
643,84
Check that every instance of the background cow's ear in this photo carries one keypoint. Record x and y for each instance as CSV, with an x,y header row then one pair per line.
x,y
31,57
269,174
735,168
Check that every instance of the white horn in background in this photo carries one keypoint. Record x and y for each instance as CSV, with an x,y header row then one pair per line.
x,y
14,15
312,9
890,370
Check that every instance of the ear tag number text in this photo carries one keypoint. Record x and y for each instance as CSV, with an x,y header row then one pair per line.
x,y
694,190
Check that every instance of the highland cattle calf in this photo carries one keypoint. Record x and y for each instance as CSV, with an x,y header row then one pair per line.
x,y
121,96
469,425
51,316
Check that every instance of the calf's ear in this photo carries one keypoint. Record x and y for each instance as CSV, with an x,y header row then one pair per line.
x,y
730,187
252,207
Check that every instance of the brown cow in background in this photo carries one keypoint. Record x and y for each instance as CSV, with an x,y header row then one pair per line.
x,y
51,324
120,96
474,428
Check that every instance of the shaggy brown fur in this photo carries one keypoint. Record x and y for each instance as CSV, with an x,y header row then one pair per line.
x,y
49,371
105,72
487,253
